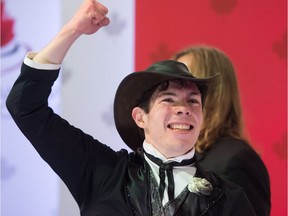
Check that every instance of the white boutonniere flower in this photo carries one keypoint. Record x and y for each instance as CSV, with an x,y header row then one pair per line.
x,y
200,186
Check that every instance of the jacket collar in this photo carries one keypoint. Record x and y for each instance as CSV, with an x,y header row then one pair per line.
x,y
138,189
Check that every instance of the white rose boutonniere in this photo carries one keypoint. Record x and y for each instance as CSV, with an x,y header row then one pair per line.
x,y
200,186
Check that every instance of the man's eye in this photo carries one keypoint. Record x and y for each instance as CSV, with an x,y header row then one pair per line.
x,y
193,100
168,100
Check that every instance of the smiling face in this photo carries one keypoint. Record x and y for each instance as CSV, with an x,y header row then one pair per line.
x,y
173,122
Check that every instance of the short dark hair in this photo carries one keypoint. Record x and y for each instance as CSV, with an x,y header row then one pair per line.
x,y
144,101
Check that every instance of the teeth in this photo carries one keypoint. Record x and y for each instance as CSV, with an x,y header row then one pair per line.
x,y
180,126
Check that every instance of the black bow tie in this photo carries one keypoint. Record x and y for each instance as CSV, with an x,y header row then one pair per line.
x,y
168,167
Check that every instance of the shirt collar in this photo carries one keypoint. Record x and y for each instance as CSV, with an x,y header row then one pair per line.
x,y
153,151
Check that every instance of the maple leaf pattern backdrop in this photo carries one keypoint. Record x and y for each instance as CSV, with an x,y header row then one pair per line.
x,y
254,35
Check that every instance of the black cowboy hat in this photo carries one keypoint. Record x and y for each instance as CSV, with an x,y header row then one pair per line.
x,y
135,84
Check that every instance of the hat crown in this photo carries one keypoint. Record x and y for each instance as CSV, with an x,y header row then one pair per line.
x,y
170,67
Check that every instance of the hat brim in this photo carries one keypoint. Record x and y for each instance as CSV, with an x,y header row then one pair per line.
x,y
128,93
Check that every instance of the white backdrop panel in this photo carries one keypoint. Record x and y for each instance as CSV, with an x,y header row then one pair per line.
x,y
28,186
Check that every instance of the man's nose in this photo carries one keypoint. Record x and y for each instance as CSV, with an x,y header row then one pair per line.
x,y
182,109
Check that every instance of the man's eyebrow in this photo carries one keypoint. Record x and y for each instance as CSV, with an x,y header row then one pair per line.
x,y
171,93
166,93
196,92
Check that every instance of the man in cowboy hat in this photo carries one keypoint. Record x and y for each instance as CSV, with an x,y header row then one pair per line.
x,y
158,113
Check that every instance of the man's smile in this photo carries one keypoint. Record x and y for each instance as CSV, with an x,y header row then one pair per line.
x,y
180,127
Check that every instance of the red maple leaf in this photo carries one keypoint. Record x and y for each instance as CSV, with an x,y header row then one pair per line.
x,y
223,6
280,47
163,52
280,147
7,25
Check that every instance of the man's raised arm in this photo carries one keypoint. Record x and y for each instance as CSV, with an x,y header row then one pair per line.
x,y
89,18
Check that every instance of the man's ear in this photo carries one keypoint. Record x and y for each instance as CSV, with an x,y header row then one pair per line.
x,y
137,115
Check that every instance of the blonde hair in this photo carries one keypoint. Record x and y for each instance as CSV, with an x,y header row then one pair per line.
x,y
222,111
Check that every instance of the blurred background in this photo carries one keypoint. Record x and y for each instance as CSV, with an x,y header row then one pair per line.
x,y
252,33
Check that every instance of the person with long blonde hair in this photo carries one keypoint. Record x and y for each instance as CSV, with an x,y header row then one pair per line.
x,y
222,146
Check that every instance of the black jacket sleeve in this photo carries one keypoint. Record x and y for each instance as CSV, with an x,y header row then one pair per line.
x,y
72,154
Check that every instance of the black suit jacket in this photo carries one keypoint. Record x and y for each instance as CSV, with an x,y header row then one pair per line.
x,y
235,161
102,181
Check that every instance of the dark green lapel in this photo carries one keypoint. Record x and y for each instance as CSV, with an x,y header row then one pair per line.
x,y
195,204
138,189
138,184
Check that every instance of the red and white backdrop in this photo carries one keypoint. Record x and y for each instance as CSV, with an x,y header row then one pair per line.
x,y
252,33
